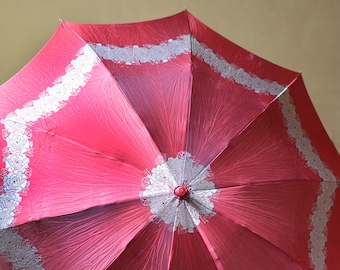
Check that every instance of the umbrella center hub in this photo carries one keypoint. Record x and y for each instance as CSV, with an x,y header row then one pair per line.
x,y
181,192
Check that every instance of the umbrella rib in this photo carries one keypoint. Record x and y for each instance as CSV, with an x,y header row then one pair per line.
x,y
274,181
78,144
191,95
171,248
210,248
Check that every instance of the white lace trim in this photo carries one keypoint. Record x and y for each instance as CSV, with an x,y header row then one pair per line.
x,y
168,50
182,214
162,52
233,72
19,251
325,200
17,133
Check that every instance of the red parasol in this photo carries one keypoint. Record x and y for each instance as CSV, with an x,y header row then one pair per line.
x,y
162,145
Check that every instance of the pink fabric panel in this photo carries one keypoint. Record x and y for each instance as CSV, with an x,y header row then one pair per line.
x,y
98,124
161,96
216,118
90,153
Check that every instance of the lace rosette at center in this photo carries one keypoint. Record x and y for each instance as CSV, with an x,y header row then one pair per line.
x,y
180,192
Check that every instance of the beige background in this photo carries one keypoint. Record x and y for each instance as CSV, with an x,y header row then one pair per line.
x,y
302,35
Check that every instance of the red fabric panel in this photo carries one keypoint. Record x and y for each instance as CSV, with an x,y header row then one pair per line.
x,y
89,239
150,249
261,153
220,110
236,247
278,212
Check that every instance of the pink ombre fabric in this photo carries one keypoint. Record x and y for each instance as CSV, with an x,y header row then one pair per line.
x,y
162,145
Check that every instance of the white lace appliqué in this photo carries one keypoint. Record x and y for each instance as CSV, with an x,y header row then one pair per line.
x,y
129,55
15,249
325,200
233,72
17,133
179,192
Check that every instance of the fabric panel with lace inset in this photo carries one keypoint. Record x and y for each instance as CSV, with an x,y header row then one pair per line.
x,y
17,133
166,51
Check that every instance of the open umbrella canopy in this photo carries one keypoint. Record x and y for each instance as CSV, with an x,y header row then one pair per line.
x,y
162,145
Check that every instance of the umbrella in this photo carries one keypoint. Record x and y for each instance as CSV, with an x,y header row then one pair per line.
x,y
162,145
